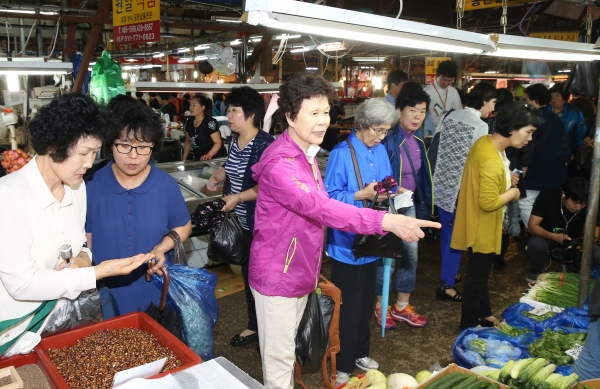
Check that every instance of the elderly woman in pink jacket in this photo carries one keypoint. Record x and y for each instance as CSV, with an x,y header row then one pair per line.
x,y
292,210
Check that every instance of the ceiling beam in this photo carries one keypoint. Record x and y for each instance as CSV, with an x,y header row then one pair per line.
x,y
90,47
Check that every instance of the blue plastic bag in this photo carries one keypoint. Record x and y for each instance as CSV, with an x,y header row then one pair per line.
x,y
564,322
564,370
574,311
497,347
515,316
192,294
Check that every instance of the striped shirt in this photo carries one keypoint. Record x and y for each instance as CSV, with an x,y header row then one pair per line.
x,y
235,168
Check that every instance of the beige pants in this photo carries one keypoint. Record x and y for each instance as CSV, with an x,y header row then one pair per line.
x,y
278,319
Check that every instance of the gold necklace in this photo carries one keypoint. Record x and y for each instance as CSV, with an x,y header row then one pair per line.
x,y
146,170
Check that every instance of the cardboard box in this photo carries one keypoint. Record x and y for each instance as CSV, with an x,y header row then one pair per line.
x,y
593,384
453,368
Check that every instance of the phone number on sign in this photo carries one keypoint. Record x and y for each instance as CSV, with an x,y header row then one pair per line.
x,y
136,38
135,28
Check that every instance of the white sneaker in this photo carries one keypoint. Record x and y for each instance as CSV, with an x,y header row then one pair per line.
x,y
342,378
366,364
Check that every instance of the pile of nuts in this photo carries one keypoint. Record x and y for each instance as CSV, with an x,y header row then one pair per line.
x,y
93,361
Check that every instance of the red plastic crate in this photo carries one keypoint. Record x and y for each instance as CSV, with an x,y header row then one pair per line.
x,y
28,359
138,320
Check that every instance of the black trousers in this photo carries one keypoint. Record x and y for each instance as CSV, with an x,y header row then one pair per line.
x,y
252,324
475,296
537,251
357,283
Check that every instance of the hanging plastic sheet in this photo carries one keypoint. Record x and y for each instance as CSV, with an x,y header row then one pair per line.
x,y
107,79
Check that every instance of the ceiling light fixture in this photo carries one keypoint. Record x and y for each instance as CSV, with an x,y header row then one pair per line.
x,y
226,19
303,48
322,20
509,46
369,59
35,68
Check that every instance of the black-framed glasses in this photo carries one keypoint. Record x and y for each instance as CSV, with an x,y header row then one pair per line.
x,y
124,148
381,132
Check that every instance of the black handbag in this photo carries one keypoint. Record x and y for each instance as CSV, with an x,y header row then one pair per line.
x,y
226,241
388,245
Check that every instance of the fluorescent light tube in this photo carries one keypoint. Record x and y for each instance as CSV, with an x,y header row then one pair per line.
x,y
235,42
35,68
301,49
369,59
159,55
200,58
183,50
21,11
225,19
280,37
201,47
509,46
321,20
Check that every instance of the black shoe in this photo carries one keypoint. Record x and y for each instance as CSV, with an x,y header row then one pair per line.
x,y
442,295
239,340
485,323
498,265
457,279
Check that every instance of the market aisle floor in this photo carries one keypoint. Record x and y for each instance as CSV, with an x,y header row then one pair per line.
x,y
405,349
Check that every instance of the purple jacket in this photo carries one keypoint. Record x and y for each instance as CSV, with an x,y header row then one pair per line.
x,y
292,210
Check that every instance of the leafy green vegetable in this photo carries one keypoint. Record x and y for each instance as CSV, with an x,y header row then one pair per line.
x,y
540,318
510,330
557,289
553,344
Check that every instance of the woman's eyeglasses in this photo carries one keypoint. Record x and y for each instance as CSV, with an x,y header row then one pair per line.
x,y
379,132
124,148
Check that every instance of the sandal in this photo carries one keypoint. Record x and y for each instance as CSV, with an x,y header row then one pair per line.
x,y
442,295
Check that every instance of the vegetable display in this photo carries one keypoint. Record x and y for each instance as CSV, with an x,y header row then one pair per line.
x,y
557,289
553,344
14,160
511,331
531,373
461,380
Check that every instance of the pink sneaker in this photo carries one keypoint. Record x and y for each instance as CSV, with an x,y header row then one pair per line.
x,y
408,315
389,323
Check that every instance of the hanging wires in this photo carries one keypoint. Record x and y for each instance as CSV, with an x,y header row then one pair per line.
x,y
525,17
51,50
27,41
400,11
281,50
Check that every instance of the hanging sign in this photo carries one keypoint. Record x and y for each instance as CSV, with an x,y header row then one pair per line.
x,y
471,5
570,36
431,65
135,21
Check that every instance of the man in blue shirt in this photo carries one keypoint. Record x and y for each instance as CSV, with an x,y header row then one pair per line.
x,y
395,80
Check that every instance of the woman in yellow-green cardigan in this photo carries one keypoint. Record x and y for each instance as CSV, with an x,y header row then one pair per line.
x,y
487,187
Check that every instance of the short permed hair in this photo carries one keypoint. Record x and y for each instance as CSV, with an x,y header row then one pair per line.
x,y
396,77
250,101
204,101
137,121
411,96
447,69
514,116
480,94
67,119
559,87
539,93
373,112
299,87
577,189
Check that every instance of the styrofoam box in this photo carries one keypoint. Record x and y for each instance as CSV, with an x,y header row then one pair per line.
x,y
539,304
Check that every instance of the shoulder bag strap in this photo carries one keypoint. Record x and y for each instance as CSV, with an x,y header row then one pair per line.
x,y
356,170
412,168
233,139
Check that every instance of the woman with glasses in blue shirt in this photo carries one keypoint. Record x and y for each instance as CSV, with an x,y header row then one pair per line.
x,y
133,205
356,277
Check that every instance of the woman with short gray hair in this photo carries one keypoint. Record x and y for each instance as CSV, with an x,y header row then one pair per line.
x,y
356,277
